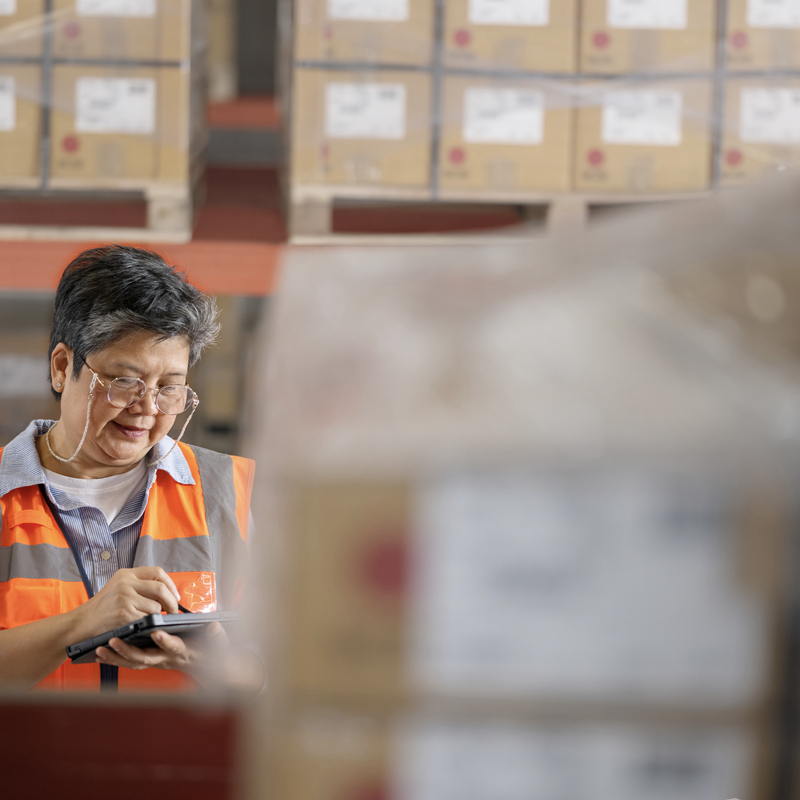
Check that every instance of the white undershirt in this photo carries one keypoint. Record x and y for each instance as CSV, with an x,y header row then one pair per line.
x,y
107,494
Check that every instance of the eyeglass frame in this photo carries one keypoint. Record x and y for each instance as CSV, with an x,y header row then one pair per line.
x,y
195,401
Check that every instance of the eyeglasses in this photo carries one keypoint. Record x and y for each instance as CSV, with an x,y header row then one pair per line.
x,y
126,392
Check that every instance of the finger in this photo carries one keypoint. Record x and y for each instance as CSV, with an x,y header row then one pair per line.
x,y
157,574
172,645
121,654
155,590
216,635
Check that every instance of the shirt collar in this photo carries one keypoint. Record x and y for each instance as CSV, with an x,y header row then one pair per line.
x,y
20,465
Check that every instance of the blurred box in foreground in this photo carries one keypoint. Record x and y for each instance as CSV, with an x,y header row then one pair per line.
x,y
123,126
21,28
622,36
127,30
20,125
370,128
335,755
762,34
503,135
761,130
534,36
644,136
398,32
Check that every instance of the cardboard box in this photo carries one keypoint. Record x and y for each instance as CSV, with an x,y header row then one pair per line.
x,y
444,590
538,35
120,127
644,136
21,28
20,125
222,51
761,132
370,128
368,31
124,30
623,36
762,34
505,136
340,756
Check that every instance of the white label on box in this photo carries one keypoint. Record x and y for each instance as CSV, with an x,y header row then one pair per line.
x,y
439,760
503,116
8,6
603,586
8,104
773,13
509,12
369,10
642,117
365,110
769,116
116,8
669,14
115,105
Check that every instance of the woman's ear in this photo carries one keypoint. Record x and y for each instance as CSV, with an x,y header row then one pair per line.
x,y
60,366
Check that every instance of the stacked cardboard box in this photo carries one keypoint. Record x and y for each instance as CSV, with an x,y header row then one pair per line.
x,y
119,85
520,548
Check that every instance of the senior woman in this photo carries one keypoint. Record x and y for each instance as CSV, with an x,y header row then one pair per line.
x,y
103,517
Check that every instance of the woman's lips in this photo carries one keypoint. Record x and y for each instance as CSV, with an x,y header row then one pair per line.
x,y
130,432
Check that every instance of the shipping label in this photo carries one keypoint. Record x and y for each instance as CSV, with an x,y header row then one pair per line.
x,y
8,7
444,760
365,111
667,14
769,116
369,10
8,104
509,12
587,586
115,105
642,117
116,8
503,116
773,13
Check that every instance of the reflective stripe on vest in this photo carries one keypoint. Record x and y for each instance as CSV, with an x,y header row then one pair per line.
x,y
195,533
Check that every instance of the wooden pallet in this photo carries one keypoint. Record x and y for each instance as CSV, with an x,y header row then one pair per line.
x,y
310,213
169,218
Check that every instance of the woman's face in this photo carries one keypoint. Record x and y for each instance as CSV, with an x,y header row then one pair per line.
x,y
117,438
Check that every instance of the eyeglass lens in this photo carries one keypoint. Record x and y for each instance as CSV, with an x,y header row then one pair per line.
x,y
124,392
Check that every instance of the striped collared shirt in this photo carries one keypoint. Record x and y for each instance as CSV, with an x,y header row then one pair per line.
x,y
100,549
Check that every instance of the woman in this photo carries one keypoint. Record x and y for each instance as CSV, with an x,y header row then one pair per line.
x,y
103,517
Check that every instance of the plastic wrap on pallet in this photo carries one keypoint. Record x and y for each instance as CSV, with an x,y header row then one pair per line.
x,y
508,100
102,94
524,484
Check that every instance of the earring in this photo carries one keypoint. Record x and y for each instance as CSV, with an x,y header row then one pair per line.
x,y
58,385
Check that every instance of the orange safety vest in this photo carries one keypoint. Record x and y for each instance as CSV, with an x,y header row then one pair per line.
x,y
197,534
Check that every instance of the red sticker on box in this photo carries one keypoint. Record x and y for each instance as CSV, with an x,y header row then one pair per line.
x,y
739,40
384,564
733,157
601,40
72,29
70,144
596,157
462,37
457,155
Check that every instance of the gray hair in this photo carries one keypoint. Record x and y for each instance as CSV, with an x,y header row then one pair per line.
x,y
110,292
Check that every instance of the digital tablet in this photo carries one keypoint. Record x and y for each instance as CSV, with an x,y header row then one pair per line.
x,y
138,633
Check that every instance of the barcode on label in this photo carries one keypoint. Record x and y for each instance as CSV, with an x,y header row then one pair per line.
x,y
509,12
648,14
503,116
116,8
365,110
642,117
369,10
115,105
773,13
770,116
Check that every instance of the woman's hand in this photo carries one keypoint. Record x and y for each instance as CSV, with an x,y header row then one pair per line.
x,y
210,659
130,595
